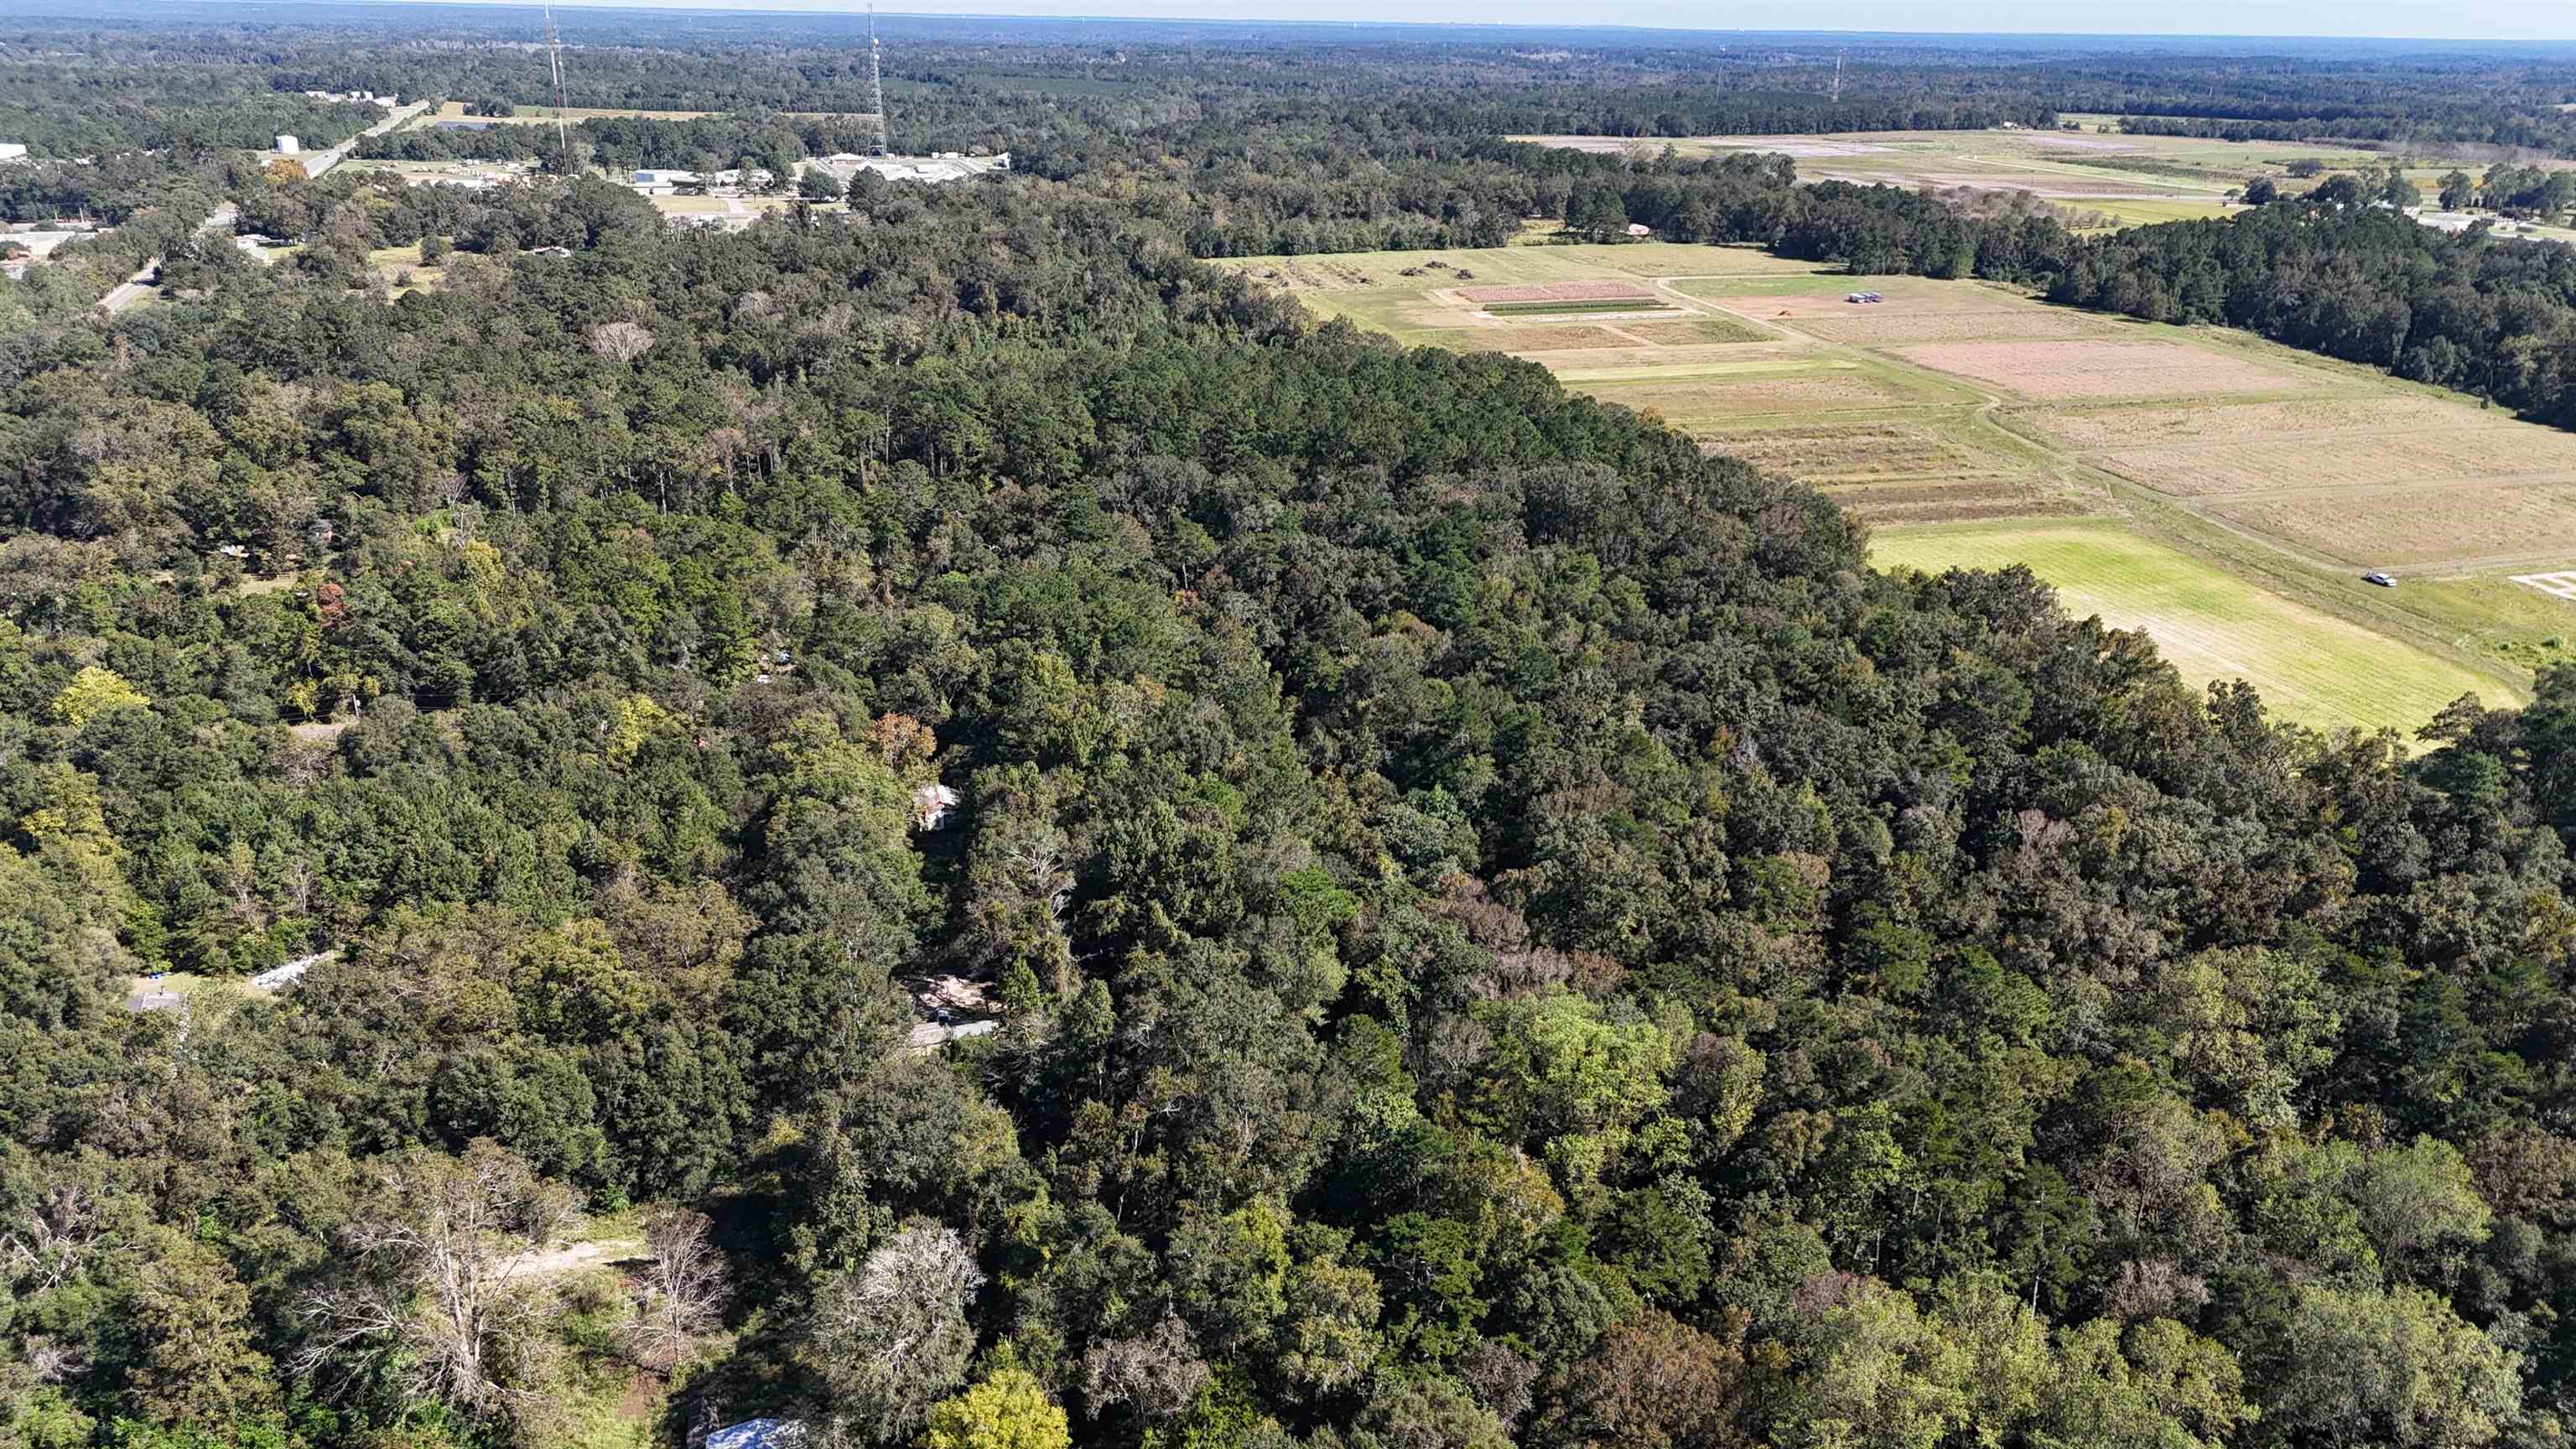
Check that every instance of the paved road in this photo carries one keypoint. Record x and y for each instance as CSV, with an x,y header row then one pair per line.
x,y
139,286
318,162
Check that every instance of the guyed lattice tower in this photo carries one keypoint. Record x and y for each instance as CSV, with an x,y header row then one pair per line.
x,y
876,82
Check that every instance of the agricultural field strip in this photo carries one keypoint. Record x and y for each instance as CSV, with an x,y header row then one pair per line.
x,y
2100,173
2359,492
2089,368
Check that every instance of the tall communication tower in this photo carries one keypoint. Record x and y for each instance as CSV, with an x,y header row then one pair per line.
x,y
554,63
1838,77
876,82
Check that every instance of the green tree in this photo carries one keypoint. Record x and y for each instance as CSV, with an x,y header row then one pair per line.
x,y
1007,1409
2399,1367
195,1363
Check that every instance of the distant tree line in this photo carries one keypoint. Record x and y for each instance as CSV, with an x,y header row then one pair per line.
x,y
73,110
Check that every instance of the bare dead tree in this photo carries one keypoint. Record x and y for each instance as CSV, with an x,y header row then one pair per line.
x,y
684,1291
619,342
445,1278
1157,1372
49,1248
892,1338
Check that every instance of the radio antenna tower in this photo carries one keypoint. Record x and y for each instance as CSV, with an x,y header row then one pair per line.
x,y
1838,78
554,64
876,80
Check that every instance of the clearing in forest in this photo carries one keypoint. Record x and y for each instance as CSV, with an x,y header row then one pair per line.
x,y
2095,173
2308,665
545,115
1954,402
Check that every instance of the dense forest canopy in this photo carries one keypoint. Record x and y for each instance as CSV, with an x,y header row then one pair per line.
x,y
1500,928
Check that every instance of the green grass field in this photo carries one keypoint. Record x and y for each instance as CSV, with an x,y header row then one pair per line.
x,y
2308,665
2095,169
2143,213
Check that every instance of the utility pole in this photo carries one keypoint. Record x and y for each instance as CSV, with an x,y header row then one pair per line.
x,y
554,63
876,80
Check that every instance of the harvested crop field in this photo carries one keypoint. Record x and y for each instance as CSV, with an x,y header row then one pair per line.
x,y
1559,292
2325,443
1851,451
2427,456
1539,339
1316,274
1707,401
1823,296
1684,333
1808,146
2414,525
1707,360
1604,307
2308,665
1896,504
2102,368
2049,184
2123,427
1867,325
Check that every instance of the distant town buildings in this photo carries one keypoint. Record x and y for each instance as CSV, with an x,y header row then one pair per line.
x,y
935,167
25,244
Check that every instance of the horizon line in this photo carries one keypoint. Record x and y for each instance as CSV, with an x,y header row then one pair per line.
x,y
856,8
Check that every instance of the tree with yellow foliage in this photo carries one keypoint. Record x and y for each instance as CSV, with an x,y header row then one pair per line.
x,y
93,692
1008,1410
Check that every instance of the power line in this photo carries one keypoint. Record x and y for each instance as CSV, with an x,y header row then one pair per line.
x,y
554,63
876,80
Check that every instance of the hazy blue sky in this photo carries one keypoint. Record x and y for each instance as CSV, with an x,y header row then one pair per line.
x,y
2471,19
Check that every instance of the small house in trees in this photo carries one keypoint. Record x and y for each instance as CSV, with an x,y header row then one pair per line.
x,y
757,1434
932,805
